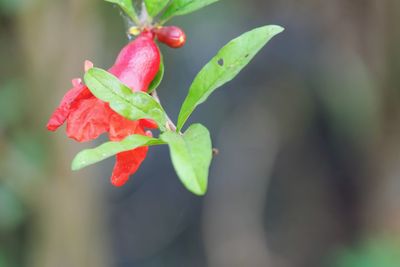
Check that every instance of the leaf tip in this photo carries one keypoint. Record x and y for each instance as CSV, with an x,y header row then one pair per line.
x,y
201,193
197,190
276,29
76,164
74,167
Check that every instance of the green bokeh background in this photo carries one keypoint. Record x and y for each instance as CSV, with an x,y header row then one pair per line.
x,y
308,172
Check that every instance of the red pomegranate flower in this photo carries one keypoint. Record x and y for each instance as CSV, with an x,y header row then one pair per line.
x,y
88,117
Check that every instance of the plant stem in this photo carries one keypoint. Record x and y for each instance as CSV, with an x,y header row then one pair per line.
x,y
170,124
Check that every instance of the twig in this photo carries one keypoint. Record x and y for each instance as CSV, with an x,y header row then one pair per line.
x,y
170,124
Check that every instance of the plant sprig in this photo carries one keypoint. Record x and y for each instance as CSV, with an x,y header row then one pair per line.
x,y
191,150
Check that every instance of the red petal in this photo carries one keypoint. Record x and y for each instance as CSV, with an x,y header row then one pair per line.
x,y
150,124
126,164
70,98
121,127
88,120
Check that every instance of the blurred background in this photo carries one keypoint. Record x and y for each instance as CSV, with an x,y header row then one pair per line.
x,y
308,173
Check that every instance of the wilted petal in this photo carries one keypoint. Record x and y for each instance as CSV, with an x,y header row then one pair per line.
x,y
150,124
74,95
88,120
127,164
121,127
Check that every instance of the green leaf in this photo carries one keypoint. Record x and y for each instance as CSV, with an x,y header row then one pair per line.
x,y
90,156
228,62
191,155
154,7
157,80
131,105
183,7
127,7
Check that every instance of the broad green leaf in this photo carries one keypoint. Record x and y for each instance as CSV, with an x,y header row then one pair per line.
x,y
191,155
90,156
228,62
131,105
127,7
154,7
157,80
183,7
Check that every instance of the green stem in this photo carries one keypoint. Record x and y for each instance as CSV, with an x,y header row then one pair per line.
x,y
170,124
133,16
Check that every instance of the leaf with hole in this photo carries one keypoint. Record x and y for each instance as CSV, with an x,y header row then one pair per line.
x,y
228,62
131,105
191,155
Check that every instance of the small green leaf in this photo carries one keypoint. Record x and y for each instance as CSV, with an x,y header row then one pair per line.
x,y
228,62
154,7
183,7
191,155
127,7
157,80
90,156
131,105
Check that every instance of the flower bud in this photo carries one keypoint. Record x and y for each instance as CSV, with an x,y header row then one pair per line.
x,y
172,36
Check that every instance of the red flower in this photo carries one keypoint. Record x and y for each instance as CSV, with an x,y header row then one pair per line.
x,y
88,117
